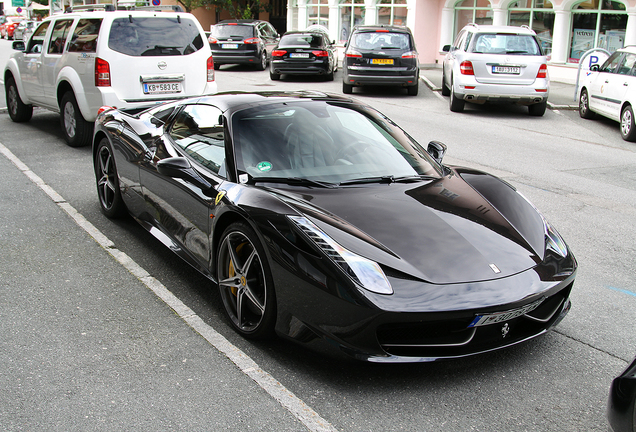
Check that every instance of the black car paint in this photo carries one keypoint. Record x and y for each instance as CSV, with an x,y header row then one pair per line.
x,y
621,408
312,65
428,258
249,54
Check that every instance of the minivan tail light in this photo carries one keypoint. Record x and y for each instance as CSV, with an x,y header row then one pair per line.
x,y
320,53
253,40
543,71
278,53
102,73
353,54
410,54
210,69
466,68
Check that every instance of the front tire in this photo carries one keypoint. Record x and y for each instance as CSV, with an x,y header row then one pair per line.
x,y
456,104
628,130
111,202
245,282
445,89
584,105
18,110
77,131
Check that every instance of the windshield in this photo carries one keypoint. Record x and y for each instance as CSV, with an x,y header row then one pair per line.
x,y
506,44
139,36
380,40
330,142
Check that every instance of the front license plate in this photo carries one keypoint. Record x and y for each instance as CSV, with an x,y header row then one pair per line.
x,y
382,61
157,88
509,70
229,46
494,318
299,55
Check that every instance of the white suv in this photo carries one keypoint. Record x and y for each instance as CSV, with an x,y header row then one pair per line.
x,y
496,64
76,62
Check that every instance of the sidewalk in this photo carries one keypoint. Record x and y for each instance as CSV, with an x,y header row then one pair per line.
x,y
562,95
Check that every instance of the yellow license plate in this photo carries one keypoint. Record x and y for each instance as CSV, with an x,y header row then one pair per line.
x,y
381,61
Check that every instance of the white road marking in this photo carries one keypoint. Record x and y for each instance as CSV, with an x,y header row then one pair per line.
x,y
298,408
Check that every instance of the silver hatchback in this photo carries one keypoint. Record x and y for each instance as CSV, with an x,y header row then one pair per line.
x,y
500,64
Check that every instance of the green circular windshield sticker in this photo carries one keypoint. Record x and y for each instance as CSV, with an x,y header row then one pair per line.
x,y
264,166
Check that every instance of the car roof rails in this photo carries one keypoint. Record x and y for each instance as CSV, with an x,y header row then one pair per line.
x,y
166,8
90,8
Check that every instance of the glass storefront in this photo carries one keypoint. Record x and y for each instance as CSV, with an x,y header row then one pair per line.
x,y
539,16
472,11
351,14
597,24
318,12
392,12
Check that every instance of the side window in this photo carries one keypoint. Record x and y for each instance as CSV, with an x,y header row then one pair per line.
x,y
198,130
626,65
458,40
611,63
85,36
469,37
36,41
58,37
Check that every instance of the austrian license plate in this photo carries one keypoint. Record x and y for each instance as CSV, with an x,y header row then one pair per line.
x,y
495,318
229,46
299,55
157,88
509,70
382,61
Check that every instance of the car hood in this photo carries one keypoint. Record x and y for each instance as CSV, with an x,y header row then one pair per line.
x,y
441,231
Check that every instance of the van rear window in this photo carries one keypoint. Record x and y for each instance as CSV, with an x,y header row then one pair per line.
x,y
156,36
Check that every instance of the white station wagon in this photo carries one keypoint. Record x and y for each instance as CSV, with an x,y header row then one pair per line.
x,y
610,90
75,63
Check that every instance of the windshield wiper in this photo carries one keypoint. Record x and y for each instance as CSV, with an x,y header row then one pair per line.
x,y
294,181
386,179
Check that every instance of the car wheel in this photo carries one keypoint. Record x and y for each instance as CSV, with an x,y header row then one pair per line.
x,y
245,283
329,76
76,130
18,111
262,64
537,109
111,202
628,131
584,105
274,76
413,90
217,66
347,89
445,89
456,104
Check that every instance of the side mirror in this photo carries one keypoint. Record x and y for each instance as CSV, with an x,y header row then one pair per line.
x,y
179,167
18,45
446,48
437,150
594,68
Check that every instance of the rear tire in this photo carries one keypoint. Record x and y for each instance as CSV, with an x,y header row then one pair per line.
x,y
347,89
274,76
329,76
18,110
628,129
455,104
111,202
413,90
77,131
538,109
584,105
262,63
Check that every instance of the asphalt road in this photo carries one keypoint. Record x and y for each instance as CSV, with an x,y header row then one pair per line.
x,y
85,345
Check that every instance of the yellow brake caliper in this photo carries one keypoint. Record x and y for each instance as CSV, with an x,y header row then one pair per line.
x,y
231,271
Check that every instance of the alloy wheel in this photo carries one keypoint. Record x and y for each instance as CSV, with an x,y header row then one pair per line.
x,y
106,182
69,119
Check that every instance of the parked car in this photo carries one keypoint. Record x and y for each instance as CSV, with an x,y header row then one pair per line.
x,y
24,30
243,42
610,90
496,64
381,55
321,220
621,408
304,53
87,59
8,27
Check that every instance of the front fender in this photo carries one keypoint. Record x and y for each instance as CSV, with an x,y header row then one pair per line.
x,y
69,77
12,69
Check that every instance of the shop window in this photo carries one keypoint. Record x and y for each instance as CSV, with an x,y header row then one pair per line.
x,y
351,14
318,12
392,12
538,15
472,11
597,24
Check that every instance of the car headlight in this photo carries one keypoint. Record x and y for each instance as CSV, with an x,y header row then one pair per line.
x,y
553,240
362,271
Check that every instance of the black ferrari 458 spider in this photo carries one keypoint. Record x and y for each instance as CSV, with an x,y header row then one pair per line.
x,y
322,221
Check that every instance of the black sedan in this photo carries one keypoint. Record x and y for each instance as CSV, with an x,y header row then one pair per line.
x,y
621,409
322,221
304,53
